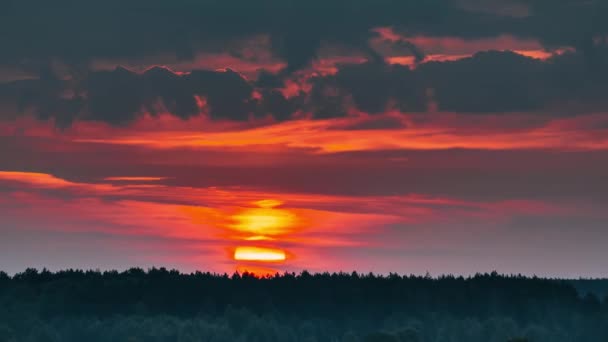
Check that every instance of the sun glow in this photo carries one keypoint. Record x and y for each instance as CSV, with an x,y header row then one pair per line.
x,y
268,203
134,179
257,271
265,220
259,254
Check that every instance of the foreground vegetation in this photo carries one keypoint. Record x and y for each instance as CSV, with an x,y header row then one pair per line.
x,y
162,305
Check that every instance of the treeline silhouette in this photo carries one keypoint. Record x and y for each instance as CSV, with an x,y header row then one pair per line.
x,y
597,287
166,305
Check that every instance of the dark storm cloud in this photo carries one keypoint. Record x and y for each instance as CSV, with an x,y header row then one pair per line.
x,y
37,36
76,32
371,86
119,96
554,23
487,82
567,22
491,81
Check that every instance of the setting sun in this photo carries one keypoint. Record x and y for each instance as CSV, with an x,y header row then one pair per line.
x,y
264,221
259,254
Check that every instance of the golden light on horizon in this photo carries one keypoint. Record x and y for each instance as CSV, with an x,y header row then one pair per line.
x,y
268,203
264,221
264,254
257,271
259,238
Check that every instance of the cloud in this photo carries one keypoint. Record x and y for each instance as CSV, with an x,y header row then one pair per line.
x,y
379,122
487,82
64,90
78,33
119,96
568,83
371,86
528,155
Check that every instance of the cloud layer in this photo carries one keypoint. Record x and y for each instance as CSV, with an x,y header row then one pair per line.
x,y
487,82
79,32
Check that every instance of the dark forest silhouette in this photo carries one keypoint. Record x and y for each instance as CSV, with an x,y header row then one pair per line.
x,y
166,305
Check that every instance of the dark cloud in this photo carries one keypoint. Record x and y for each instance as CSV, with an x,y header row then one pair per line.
x,y
77,32
119,96
372,85
487,82
274,103
57,41
567,22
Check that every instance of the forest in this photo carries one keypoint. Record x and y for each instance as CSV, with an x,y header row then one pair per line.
x,y
159,305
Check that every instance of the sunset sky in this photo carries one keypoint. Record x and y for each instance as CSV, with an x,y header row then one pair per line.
x,y
407,136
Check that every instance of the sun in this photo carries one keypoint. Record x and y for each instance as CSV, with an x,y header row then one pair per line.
x,y
264,254
266,220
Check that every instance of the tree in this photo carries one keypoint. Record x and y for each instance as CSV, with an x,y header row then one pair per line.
x,y
409,335
7,334
380,337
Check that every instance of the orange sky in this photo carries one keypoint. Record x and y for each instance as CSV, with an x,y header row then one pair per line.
x,y
443,131
393,191
230,229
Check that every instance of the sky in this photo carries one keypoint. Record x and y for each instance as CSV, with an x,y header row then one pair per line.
x,y
439,136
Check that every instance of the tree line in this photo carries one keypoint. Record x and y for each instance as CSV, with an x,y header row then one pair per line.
x,y
167,305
